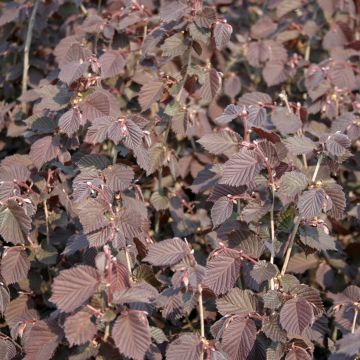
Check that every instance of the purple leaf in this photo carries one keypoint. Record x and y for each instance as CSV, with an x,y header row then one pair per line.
x,y
131,334
72,287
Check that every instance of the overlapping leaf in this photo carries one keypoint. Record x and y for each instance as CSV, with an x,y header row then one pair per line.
x,y
167,252
15,265
298,145
292,183
185,347
79,328
15,224
222,33
44,150
221,210
312,202
316,238
41,341
238,338
70,121
296,315
7,349
72,287
150,93
231,112
241,168
222,142
222,271
237,301
337,144
211,85
111,63
131,334
119,177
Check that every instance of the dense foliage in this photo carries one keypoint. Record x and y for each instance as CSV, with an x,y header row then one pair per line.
x,y
179,179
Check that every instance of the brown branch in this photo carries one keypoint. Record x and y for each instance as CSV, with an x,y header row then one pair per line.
x,y
27,52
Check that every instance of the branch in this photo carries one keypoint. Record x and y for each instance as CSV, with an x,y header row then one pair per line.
x,y
202,323
272,231
317,168
128,262
27,51
46,210
356,313
291,243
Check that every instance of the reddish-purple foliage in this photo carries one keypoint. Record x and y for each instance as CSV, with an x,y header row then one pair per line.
x,y
178,179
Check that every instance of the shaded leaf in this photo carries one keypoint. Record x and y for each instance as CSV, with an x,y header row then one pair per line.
x,y
237,301
296,315
15,224
298,145
222,142
150,93
231,112
70,121
211,85
263,271
72,71
238,338
222,33
337,196
256,115
292,183
286,122
4,298
185,347
100,103
317,239
44,150
173,10
337,144
298,353
272,329
174,45
41,341
79,328
111,64
221,210
7,349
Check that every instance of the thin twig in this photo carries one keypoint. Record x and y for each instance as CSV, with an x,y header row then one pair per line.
x,y
27,52
202,323
353,326
308,50
46,210
272,232
128,262
283,96
317,168
83,9
291,243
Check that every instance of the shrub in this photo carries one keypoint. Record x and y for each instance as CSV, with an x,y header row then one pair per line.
x,y
179,179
